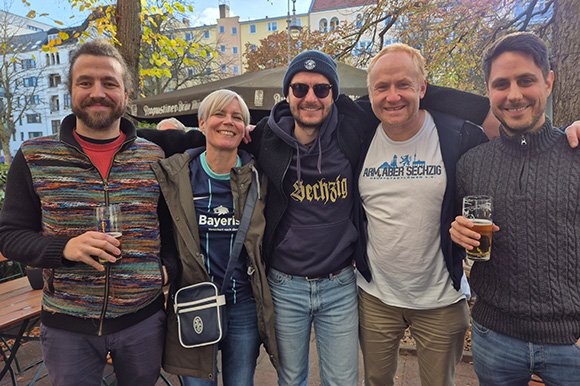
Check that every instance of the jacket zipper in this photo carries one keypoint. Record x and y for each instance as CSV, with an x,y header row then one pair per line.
x,y
524,144
107,271
107,201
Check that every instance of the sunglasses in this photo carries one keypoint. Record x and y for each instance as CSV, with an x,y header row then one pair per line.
x,y
300,90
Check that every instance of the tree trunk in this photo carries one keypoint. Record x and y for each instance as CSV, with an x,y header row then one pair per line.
x,y
566,53
129,36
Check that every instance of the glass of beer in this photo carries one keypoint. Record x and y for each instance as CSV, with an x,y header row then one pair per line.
x,y
109,221
479,210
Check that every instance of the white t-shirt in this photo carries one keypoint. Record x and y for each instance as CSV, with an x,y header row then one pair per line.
x,y
402,184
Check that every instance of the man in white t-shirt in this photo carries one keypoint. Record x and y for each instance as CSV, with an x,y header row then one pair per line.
x,y
406,185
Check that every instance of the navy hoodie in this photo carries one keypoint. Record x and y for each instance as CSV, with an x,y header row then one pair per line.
x,y
316,235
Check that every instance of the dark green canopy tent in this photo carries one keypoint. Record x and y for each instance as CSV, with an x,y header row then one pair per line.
x,y
261,90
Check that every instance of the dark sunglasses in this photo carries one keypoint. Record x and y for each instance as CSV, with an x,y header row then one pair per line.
x,y
300,90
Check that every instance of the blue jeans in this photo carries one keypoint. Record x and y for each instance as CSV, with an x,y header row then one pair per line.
x,y
240,347
500,360
79,359
331,304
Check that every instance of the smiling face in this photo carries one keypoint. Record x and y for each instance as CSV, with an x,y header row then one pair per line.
x,y
225,127
310,111
98,95
518,92
395,90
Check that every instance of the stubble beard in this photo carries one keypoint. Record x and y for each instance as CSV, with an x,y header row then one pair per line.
x,y
520,129
99,120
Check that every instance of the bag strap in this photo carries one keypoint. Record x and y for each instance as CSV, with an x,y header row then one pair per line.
x,y
243,228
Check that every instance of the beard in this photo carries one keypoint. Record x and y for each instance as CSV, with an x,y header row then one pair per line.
x,y
99,120
525,126
307,122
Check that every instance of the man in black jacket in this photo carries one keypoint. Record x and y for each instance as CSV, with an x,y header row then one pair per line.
x,y
413,275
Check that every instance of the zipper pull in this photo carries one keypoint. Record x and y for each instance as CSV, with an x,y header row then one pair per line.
x,y
523,141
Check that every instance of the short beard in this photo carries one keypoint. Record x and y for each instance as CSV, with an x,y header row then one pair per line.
x,y
99,121
520,130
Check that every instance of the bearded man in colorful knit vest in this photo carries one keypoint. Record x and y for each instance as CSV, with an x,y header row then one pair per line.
x,y
55,183
526,318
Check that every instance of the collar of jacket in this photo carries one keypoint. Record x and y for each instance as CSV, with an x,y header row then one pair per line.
x,y
69,123
533,143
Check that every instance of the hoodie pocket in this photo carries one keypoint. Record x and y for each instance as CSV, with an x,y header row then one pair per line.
x,y
321,244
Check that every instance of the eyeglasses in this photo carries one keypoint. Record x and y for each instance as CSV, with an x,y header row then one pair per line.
x,y
300,90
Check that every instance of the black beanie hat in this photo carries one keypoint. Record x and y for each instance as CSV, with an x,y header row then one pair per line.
x,y
313,61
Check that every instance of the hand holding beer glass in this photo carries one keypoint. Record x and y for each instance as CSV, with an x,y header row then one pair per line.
x,y
479,210
109,221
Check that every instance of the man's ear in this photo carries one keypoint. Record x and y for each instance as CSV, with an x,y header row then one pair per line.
x,y
550,82
423,89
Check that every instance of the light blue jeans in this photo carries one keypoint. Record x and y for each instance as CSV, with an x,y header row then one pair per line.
x,y
332,305
500,360
240,347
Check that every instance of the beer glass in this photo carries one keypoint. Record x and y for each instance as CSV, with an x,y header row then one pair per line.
x,y
479,210
109,221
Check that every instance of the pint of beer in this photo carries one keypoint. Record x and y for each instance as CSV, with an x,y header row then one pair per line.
x,y
479,210
108,220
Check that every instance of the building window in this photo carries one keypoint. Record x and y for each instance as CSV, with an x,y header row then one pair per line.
x,y
28,63
222,29
252,28
33,28
234,30
273,26
34,134
66,101
188,36
54,103
236,69
334,23
323,25
33,99
190,72
52,59
55,126
253,47
224,68
297,22
54,80
235,50
222,48
31,82
33,118
362,47
206,34
359,21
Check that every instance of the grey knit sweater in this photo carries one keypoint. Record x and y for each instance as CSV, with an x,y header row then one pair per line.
x,y
530,289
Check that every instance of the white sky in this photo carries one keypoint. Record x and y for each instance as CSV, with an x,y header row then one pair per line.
x,y
205,11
